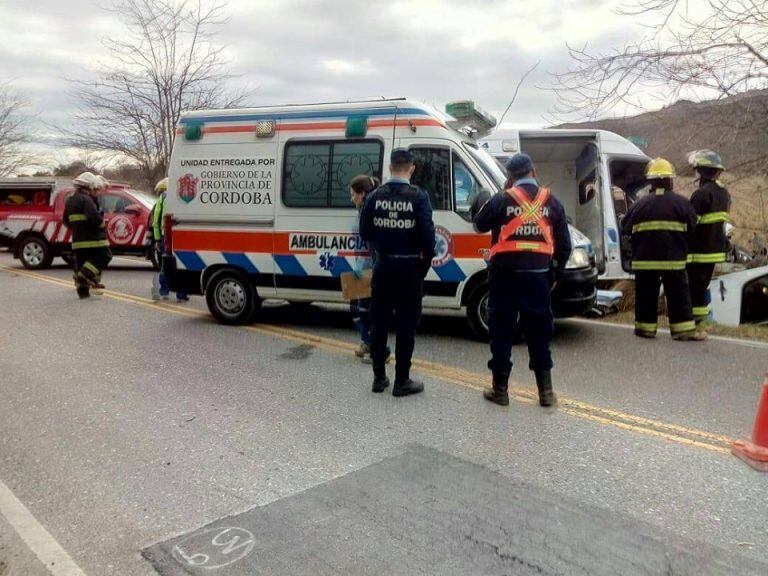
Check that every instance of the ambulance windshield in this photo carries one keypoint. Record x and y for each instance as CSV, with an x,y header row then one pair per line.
x,y
488,164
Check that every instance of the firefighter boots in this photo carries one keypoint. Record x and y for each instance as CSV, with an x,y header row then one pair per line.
x,y
498,392
406,387
544,384
698,335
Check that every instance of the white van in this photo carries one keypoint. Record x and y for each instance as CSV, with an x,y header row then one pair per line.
x,y
596,174
258,204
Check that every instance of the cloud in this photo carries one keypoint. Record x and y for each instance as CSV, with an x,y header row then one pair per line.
x,y
319,50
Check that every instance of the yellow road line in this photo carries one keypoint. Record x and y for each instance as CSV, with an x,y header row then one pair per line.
x,y
446,373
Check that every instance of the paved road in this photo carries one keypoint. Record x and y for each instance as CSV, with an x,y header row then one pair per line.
x,y
126,423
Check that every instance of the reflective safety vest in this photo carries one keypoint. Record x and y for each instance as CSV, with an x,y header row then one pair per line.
x,y
532,213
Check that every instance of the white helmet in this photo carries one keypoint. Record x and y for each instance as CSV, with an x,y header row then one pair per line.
x,y
103,183
87,180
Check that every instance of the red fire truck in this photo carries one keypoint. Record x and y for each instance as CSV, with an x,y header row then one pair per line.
x,y
31,211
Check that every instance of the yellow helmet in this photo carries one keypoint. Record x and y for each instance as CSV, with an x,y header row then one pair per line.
x,y
659,168
161,186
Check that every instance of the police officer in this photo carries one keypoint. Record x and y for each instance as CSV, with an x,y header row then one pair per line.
x,y
530,245
89,238
396,222
709,244
660,225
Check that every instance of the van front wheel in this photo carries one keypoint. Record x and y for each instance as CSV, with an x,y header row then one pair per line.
x,y
477,311
231,298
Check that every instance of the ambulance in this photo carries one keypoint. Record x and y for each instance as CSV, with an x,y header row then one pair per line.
x,y
596,174
258,205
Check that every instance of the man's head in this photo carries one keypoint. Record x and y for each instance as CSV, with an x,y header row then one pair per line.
x,y
87,182
520,166
161,186
707,163
660,173
401,163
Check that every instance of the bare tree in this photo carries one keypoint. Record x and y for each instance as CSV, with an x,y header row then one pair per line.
x,y
717,52
166,61
13,132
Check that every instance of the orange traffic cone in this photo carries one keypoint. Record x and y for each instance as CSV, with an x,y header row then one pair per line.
x,y
755,453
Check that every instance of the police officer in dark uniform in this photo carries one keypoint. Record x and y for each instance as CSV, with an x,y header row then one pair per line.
x,y
530,246
89,236
660,225
708,245
396,222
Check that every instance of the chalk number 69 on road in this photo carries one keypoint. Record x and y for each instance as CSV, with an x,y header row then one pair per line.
x,y
214,548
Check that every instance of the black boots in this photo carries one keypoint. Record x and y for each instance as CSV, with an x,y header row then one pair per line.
x,y
544,384
380,380
406,387
498,393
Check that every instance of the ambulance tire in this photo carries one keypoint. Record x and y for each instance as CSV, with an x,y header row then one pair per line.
x,y
231,298
477,311
35,252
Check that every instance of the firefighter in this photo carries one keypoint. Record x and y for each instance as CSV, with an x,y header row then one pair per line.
x,y
709,243
530,245
660,225
89,237
160,287
396,222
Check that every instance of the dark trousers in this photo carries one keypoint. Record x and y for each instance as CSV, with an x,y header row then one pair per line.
x,y
699,277
91,262
647,285
361,317
525,295
396,288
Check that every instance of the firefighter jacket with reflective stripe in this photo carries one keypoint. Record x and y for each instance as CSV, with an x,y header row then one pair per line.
x,y
158,214
712,203
528,247
660,225
86,221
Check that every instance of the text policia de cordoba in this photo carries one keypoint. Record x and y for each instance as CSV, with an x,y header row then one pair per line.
x,y
251,186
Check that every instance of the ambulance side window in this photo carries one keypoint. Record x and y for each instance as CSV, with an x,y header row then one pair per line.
x,y
465,185
317,174
433,174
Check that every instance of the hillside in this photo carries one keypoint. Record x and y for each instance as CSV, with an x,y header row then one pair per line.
x,y
737,128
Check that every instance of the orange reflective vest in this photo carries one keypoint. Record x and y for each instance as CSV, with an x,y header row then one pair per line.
x,y
532,213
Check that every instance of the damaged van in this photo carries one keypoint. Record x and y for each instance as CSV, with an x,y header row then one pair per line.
x,y
596,174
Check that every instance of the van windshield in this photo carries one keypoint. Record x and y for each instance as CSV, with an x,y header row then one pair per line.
x,y
488,164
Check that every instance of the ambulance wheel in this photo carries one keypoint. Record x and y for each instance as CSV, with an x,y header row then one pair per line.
x,y
477,312
231,298
35,253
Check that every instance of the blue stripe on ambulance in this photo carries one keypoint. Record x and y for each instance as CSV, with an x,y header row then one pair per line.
x,y
302,115
241,260
450,272
190,259
340,266
289,265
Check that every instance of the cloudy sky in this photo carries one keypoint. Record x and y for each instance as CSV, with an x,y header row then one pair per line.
x,y
320,50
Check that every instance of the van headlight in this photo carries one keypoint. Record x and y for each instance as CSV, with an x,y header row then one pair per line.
x,y
579,259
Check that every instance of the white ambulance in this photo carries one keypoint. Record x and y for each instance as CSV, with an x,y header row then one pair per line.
x,y
258,204
596,174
